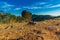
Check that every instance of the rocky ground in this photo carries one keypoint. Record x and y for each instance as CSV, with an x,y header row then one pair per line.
x,y
44,30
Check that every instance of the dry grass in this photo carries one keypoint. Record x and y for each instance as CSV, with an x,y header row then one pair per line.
x,y
44,30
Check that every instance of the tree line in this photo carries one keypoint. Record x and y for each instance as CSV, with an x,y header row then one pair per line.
x,y
26,16
8,17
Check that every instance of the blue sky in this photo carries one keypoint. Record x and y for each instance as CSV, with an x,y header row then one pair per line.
x,y
39,7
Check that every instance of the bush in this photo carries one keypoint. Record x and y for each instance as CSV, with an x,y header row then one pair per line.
x,y
27,15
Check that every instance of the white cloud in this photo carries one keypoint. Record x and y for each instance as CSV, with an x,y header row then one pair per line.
x,y
32,7
46,4
40,3
6,5
53,6
17,8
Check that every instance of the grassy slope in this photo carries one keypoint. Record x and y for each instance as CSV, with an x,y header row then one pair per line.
x,y
44,30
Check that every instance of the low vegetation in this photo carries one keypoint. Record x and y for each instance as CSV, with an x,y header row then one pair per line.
x,y
27,27
8,17
44,30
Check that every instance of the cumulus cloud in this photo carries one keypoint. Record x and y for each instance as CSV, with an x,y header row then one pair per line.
x,y
17,8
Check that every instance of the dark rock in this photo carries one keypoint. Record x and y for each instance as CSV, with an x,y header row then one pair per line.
x,y
37,32
57,33
8,27
57,24
31,23
17,39
49,28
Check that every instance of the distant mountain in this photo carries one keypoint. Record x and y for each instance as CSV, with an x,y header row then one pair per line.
x,y
43,17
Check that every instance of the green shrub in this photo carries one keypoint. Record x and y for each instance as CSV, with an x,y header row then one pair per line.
x,y
27,15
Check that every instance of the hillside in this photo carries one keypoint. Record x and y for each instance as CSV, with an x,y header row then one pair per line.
x,y
43,17
44,30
